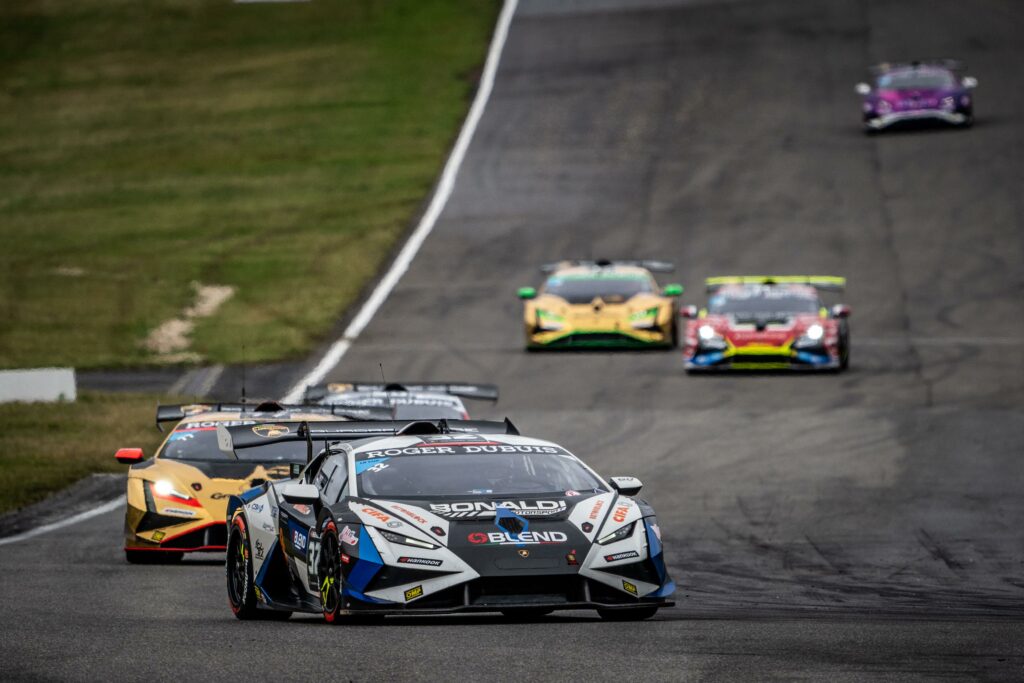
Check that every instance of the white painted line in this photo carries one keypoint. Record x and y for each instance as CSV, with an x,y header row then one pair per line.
x,y
437,203
80,517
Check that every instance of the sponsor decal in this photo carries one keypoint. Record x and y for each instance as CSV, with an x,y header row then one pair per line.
x,y
258,507
298,539
376,514
267,527
525,508
413,593
394,525
570,558
158,535
596,509
408,513
629,587
425,561
523,553
215,496
627,555
619,515
345,558
524,538
199,425
179,511
463,449
195,408
259,549
301,509
348,537
271,431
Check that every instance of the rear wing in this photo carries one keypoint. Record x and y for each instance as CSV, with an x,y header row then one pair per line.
x,y
886,67
828,283
267,409
236,437
481,392
653,266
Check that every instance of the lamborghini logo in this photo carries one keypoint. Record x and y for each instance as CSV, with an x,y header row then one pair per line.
x,y
271,431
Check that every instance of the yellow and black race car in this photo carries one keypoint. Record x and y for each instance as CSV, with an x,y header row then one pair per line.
x,y
177,500
603,304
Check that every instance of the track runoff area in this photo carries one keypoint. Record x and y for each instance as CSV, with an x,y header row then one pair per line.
x,y
855,526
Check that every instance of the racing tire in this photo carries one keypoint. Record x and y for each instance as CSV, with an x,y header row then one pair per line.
x,y
674,339
526,613
238,564
152,557
628,613
328,573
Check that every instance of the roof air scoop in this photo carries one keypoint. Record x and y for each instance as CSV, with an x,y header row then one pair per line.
x,y
422,427
269,407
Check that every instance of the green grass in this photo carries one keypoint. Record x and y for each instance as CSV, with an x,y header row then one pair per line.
x,y
45,447
278,148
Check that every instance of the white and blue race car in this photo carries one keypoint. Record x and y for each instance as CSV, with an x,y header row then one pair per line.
x,y
439,517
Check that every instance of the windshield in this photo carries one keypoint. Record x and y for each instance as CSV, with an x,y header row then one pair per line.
x,y
458,474
612,288
916,80
198,441
761,302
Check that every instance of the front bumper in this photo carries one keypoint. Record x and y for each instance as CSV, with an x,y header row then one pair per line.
x,y
606,339
568,592
719,361
154,532
953,118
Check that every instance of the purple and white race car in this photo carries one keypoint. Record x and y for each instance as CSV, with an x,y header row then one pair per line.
x,y
917,91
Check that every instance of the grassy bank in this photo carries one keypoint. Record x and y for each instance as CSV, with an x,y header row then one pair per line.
x,y
277,148
45,447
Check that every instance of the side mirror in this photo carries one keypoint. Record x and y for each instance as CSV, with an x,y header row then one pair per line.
x,y
840,311
300,493
688,311
527,293
129,456
969,82
862,89
672,290
627,486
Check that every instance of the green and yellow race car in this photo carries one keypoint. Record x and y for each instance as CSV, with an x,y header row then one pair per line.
x,y
601,304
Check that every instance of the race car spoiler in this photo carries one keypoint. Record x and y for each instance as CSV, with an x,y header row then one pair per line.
x,y
885,67
176,413
653,266
230,439
481,392
823,282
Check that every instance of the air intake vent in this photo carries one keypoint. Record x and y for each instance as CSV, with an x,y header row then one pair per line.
x,y
513,525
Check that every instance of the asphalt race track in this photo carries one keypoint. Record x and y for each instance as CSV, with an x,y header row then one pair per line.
x,y
859,526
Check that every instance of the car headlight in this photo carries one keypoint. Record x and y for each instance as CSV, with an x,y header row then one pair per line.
x,y
811,337
165,490
392,537
883,107
546,320
706,332
644,319
618,534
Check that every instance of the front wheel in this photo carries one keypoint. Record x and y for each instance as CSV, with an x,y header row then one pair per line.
x,y
628,613
241,591
328,572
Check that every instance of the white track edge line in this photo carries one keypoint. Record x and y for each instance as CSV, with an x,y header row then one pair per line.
x,y
80,517
437,203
